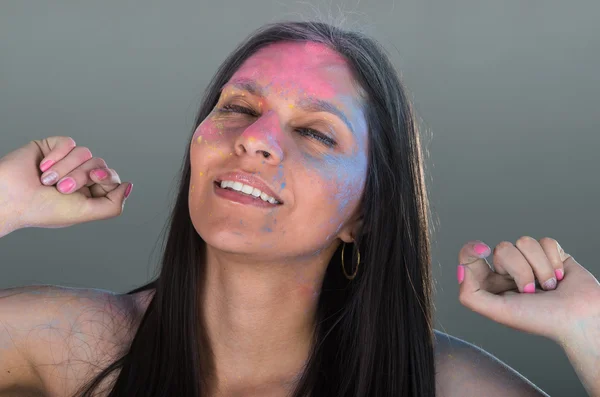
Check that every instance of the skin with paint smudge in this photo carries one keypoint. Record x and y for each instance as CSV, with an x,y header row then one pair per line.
x,y
265,266
320,183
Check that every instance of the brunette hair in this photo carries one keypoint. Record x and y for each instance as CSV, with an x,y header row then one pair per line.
x,y
374,334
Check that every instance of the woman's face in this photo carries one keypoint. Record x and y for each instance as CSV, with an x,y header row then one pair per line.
x,y
288,128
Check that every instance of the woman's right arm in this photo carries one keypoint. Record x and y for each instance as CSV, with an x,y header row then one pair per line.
x,y
30,320
18,317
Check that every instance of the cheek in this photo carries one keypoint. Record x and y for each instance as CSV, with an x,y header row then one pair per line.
x,y
209,130
209,141
340,183
342,178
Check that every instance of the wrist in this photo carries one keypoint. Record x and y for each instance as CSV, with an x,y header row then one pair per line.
x,y
7,226
582,347
8,219
10,214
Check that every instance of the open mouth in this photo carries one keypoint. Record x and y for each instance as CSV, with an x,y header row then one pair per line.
x,y
234,189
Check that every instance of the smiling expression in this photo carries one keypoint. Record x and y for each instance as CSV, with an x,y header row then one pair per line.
x,y
289,123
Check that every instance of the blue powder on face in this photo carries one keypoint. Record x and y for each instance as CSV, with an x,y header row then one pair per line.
x,y
282,185
341,171
267,229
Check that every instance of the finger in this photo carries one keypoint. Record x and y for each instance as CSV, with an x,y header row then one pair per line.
x,y
55,148
511,310
473,254
511,259
108,206
81,176
538,260
104,184
68,163
556,255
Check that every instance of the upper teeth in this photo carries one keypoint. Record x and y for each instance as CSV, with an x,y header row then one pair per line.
x,y
240,187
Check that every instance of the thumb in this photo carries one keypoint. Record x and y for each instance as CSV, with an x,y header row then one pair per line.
x,y
512,309
473,296
472,273
109,206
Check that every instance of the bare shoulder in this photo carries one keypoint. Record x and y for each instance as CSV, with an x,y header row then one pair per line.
x,y
463,369
68,334
141,300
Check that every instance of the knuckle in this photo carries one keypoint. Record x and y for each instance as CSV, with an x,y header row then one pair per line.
x,y
548,241
84,152
525,241
100,161
502,246
69,141
62,140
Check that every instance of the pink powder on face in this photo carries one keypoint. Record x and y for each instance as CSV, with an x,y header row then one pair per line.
x,y
288,64
208,131
320,182
269,129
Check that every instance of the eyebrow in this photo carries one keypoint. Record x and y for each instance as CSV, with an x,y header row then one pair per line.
x,y
309,104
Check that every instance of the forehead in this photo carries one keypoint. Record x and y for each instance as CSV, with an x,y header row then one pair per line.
x,y
300,68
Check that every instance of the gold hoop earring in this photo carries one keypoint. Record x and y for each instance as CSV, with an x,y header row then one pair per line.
x,y
350,277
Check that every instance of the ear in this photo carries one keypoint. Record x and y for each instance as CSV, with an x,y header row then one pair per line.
x,y
350,230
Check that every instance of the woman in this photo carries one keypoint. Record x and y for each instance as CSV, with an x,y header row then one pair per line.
x,y
297,259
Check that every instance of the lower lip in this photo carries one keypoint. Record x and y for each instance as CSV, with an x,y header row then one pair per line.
x,y
242,198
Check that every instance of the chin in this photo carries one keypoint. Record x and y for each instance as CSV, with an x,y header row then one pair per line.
x,y
222,235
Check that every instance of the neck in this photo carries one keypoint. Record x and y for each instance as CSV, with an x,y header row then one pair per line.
x,y
260,320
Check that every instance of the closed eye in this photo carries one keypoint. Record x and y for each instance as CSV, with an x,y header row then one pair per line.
x,y
305,132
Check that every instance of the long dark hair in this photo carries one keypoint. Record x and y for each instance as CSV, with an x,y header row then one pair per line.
x,y
374,334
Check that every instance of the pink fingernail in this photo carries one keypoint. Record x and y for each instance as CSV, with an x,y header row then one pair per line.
x,y
559,274
128,190
100,174
460,273
529,288
46,164
481,249
550,284
66,185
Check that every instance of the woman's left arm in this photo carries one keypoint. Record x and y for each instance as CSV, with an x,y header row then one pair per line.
x,y
582,347
566,309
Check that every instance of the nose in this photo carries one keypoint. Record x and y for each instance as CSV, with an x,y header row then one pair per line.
x,y
262,139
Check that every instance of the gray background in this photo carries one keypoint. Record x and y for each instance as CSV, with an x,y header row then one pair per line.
x,y
507,92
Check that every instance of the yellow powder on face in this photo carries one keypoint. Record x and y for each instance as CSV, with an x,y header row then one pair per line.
x,y
199,140
201,173
291,105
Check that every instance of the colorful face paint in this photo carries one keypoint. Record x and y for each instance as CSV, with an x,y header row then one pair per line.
x,y
290,116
